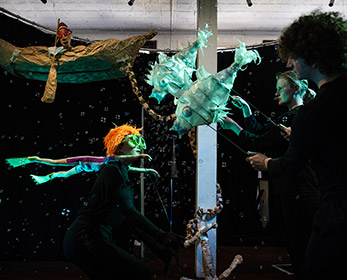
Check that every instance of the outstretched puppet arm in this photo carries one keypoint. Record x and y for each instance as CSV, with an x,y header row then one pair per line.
x,y
144,170
61,174
70,161
82,167
81,164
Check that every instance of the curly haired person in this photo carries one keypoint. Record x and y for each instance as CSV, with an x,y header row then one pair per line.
x,y
315,46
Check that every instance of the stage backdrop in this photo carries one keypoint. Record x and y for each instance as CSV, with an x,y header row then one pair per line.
x,y
34,218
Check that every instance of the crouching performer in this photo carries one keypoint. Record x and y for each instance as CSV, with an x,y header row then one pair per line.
x,y
98,239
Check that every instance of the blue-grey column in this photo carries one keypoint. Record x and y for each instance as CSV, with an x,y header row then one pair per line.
x,y
207,137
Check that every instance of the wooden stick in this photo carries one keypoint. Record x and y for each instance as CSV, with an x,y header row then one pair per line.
x,y
56,33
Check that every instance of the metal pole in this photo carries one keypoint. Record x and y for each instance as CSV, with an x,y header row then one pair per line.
x,y
142,186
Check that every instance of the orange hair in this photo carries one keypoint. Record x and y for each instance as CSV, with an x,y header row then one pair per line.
x,y
115,137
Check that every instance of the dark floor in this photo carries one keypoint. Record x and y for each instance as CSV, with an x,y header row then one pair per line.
x,y
257,265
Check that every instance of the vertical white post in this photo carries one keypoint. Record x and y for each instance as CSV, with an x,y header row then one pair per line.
x,y
142,191
207,137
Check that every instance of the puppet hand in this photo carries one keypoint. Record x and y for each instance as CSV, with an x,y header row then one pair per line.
x,y
41,179
153,172
146,156
15,162
285,131
258,162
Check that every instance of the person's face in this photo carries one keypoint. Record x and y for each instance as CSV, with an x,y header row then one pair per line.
x,y
132,145
65,37
300,67
285,93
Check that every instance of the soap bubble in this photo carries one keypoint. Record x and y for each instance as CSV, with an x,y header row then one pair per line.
x,y
65,212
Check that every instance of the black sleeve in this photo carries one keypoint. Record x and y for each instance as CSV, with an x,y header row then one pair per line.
x,y
252,125
303,141
270,143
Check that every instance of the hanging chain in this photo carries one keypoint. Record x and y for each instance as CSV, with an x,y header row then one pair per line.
x,y
144,104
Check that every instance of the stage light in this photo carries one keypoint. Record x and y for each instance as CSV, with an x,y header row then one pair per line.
x,y
131,2
249,3
331,3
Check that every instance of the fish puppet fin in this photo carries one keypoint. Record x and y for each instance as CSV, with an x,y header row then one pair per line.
x,y
220,112
157,94
201,73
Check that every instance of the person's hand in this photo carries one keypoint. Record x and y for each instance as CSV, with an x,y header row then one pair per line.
x,y
170,239
285,131
259,162
229,123
238,102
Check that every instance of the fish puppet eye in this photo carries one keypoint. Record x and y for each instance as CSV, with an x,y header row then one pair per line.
x,y
163,82
187,111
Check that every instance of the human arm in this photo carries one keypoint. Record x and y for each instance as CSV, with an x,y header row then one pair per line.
x,y
259,162
304,138
270,142
229,123
285,131
240,103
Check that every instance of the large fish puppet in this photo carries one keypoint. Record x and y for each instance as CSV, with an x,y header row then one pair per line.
x,y
204,102
201,102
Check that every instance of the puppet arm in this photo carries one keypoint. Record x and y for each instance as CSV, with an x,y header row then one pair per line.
x,y
15,162
60,174
70,161
144,170
140,156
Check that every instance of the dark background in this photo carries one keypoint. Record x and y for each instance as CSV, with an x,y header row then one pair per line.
x,y
34,218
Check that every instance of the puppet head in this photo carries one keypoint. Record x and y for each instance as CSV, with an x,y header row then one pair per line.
x,y
171,74
168,75
116,136
64,35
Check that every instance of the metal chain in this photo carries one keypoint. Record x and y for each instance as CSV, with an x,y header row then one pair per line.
x,y
144,104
